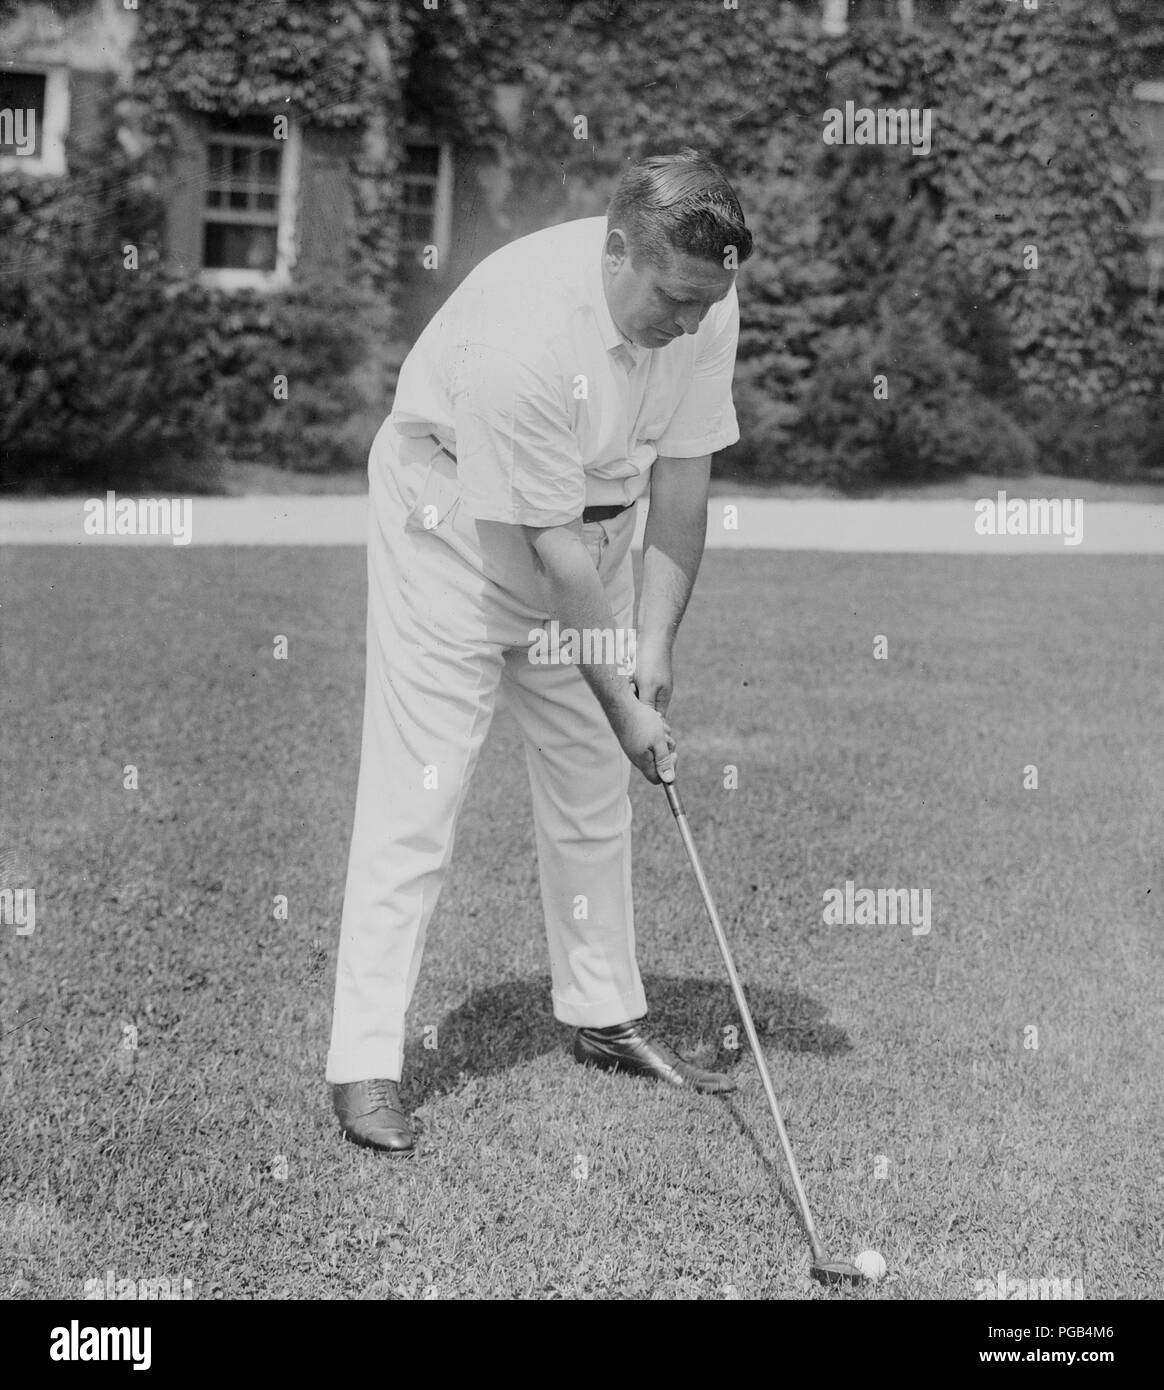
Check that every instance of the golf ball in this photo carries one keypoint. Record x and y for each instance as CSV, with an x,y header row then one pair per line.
x,y
870,1263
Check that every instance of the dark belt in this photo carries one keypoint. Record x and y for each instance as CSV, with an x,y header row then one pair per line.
x,y
604,513
589,514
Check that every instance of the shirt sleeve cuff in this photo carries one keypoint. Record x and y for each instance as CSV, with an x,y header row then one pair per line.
x,y
696,446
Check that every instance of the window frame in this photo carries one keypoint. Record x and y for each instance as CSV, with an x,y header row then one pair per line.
x,y
1144,93
51,162
287,214
835,16
442,208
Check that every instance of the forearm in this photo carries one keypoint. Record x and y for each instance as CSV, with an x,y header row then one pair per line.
x,y
672,552
579,602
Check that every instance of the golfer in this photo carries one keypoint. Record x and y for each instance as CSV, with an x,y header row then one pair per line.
x,y
571,373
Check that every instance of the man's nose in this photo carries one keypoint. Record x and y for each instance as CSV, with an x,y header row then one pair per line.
x,y
689,320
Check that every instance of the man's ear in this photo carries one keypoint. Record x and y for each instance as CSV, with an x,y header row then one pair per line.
x,y
616,247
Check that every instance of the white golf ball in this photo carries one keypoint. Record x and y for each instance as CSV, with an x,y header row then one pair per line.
x,y
870,1263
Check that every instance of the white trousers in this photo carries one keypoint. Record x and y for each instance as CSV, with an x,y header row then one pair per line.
x,y
451,605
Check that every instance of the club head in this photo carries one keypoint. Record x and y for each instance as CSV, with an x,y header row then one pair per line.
x,y
836,1272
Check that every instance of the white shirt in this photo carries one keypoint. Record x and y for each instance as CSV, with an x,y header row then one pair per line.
x,y
524,376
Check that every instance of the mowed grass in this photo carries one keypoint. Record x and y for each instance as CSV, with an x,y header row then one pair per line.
x,y
926,1122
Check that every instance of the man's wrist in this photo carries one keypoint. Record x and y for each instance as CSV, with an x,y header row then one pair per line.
x,y
619,704
654,644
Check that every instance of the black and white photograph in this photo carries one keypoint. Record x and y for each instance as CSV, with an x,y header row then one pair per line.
x,y
581,668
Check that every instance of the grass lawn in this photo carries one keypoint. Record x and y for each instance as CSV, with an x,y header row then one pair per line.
x,y
926,1123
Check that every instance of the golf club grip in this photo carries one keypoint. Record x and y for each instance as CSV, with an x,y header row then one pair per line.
x,y
674,800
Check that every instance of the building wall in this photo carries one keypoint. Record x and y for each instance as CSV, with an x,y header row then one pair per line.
x,y
81,55
96,40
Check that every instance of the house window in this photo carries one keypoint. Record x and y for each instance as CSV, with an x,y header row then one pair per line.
x,y
872,10
248,204
837,15
22,114
426,209
932,11
34,118
1150,96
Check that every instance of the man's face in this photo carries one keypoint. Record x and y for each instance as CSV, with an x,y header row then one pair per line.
x,y
651,305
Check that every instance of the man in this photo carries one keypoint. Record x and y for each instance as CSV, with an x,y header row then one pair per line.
x,y
569,371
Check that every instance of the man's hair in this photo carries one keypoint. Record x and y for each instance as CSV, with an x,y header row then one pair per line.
x,y
678,202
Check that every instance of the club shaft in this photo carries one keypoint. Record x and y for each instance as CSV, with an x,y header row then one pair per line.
x,y
680,815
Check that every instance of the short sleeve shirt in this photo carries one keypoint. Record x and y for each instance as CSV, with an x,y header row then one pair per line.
x,y
526,379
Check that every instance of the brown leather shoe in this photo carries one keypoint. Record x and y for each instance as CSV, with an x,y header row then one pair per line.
x,y
623,1048
370,1115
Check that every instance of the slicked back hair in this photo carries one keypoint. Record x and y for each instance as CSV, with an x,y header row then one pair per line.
x,y
678,202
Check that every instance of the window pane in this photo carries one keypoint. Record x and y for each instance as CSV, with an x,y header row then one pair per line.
x,y
21,113
417,229
871,10
1151,116
231,246
422,159
248,168
218,162
933,9
244,181
262,127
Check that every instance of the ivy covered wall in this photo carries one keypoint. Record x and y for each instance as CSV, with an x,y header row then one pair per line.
x,y
991,281
118,359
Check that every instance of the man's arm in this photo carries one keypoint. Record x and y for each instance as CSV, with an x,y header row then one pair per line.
x,y
580,602
672,552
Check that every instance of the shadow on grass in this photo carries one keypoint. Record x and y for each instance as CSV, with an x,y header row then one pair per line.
x,y
771,1156
510,1023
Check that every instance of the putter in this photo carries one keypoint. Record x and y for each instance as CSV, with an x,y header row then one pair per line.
x,y
824,1269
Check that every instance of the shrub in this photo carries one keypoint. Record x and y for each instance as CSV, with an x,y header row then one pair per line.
x,y
143,379
1111,443
320,339
823,315
94,383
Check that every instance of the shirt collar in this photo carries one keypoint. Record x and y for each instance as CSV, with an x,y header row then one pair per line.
x,y
612,339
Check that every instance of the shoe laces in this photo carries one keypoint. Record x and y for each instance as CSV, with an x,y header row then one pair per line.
x,y
381,1094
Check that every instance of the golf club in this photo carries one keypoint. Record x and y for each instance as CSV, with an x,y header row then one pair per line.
x,y
824,1269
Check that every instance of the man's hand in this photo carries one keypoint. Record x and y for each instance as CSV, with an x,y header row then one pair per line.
x,y
647,741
